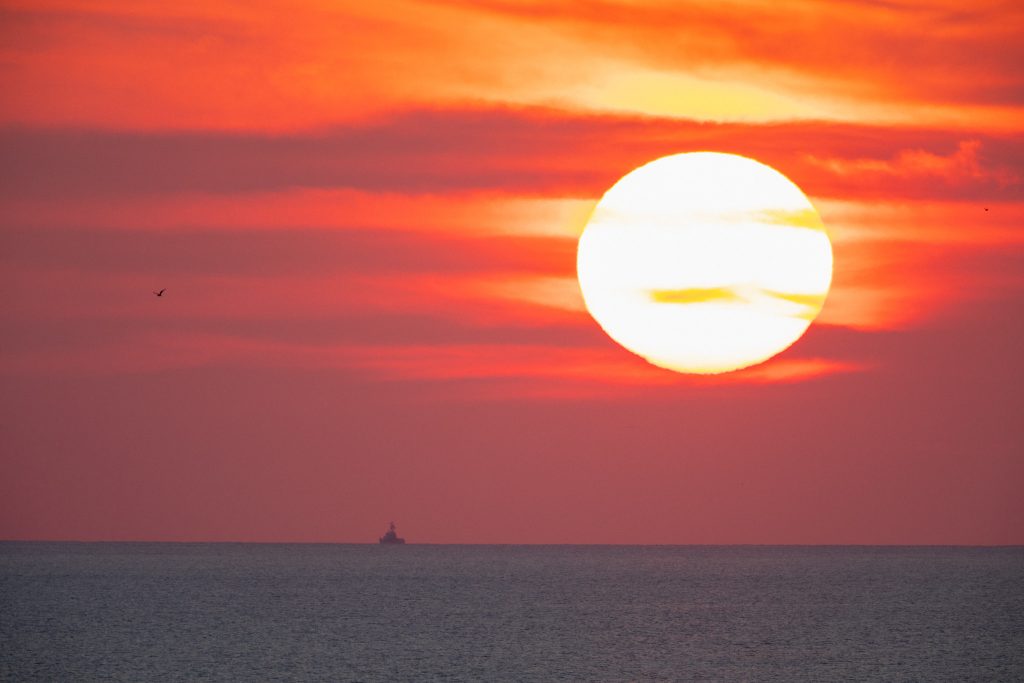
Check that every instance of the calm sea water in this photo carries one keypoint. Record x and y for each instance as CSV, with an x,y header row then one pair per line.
x,y
164,612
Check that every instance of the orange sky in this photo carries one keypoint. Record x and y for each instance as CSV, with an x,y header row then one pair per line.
x,y
366,221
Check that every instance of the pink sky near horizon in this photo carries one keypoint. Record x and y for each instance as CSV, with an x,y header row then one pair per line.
x,y
366,222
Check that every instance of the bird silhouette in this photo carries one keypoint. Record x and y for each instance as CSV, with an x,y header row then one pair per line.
x,y
161,292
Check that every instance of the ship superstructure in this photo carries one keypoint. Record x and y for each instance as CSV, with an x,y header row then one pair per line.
x,y
391,537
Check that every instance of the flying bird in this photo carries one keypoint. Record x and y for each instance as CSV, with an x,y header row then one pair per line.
x,y
161,292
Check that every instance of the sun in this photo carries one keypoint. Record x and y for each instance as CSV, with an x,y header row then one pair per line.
x,y
704,262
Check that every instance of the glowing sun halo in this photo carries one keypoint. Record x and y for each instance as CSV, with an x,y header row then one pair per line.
x,y
704,262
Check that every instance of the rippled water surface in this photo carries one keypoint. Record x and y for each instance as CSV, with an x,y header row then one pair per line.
x,y
159,612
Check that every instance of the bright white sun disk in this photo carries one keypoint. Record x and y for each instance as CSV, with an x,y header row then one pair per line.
x,y
704,262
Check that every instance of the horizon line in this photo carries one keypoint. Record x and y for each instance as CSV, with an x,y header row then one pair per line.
x,y
578,545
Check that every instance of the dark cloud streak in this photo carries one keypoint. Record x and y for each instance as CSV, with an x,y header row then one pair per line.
x,y
283,252
529,151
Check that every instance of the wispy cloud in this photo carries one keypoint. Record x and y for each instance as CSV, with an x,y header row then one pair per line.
x,y
497,371
286,65
960,167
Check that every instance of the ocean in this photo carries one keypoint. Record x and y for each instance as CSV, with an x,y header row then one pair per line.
x,y
280,612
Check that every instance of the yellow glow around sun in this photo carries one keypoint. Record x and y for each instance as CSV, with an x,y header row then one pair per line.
x,y
662,93
704,262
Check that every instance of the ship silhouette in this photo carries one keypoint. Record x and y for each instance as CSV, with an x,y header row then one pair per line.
x,y
391,537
